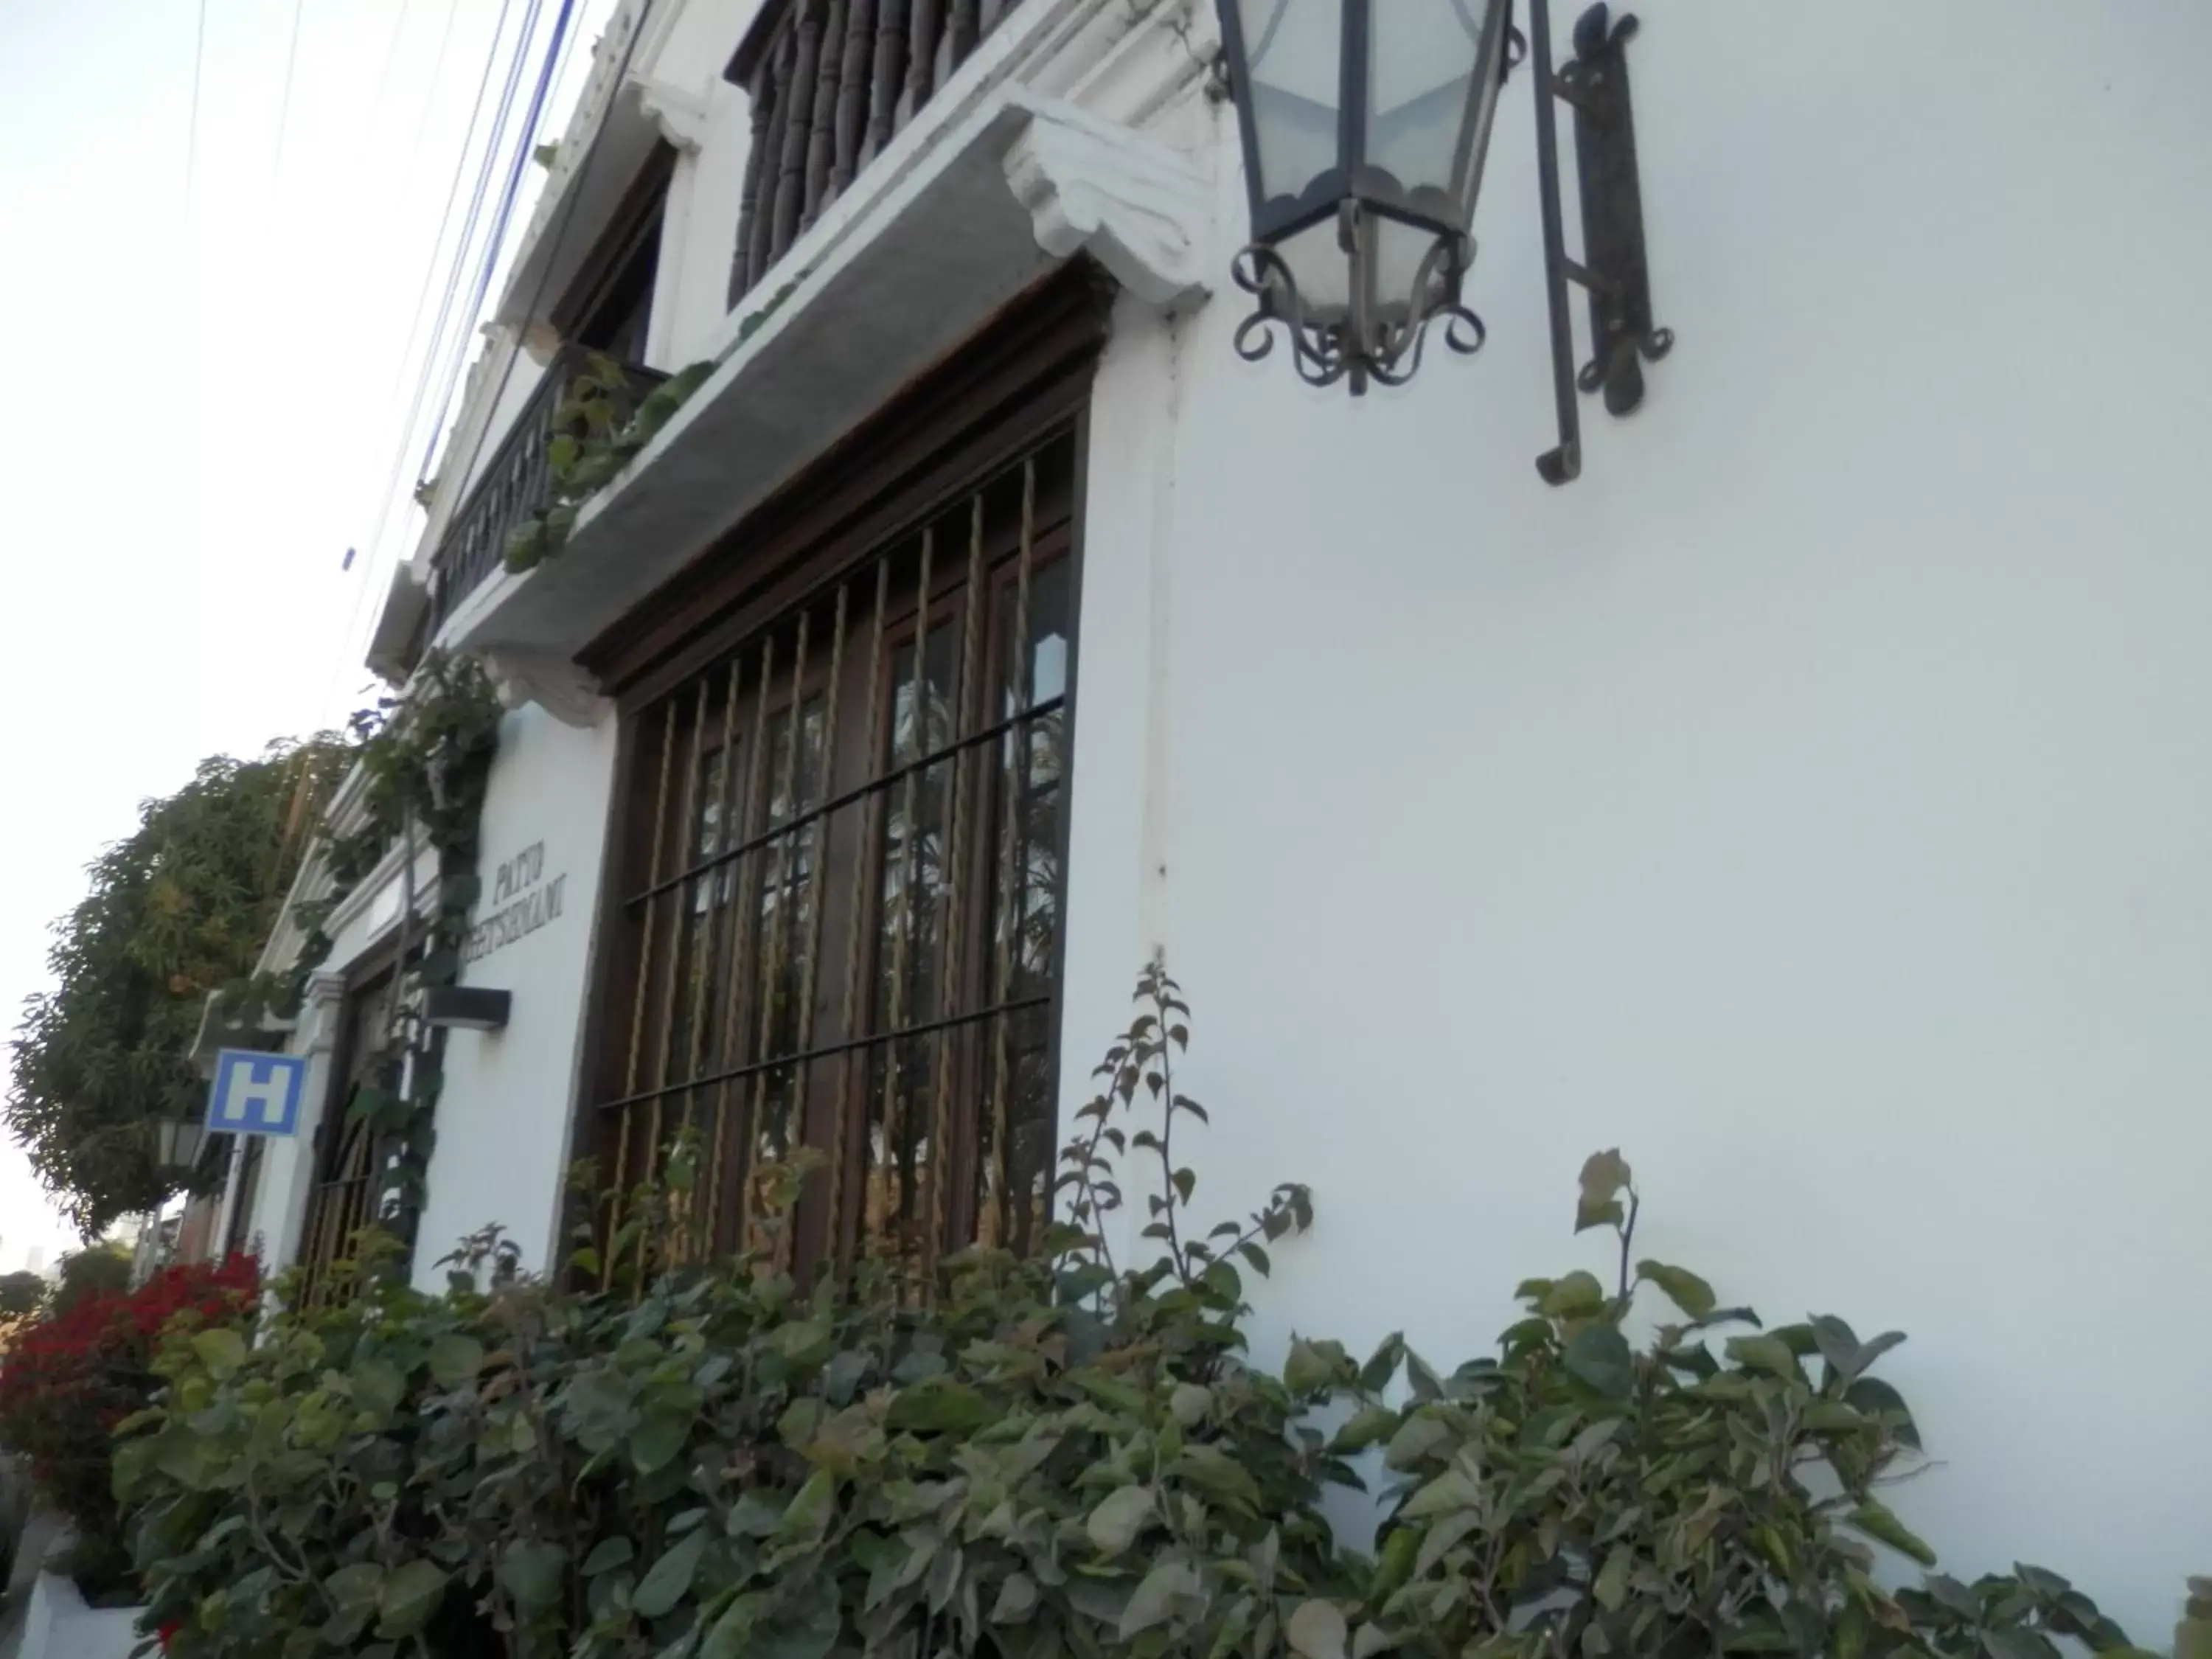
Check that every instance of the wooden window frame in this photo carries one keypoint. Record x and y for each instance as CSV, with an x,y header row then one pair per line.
x,y
1016,394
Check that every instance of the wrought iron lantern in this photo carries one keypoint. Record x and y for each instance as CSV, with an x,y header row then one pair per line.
x,y
177,1144
1366,125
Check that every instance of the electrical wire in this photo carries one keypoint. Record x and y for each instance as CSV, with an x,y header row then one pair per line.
x,y
555,59
392,53
497,232
559,229
284,101
192,132
384,500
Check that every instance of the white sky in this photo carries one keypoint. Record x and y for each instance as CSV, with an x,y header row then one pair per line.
x,y
203,410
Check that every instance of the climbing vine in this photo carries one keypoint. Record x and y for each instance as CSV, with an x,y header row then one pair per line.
x,y
426,755
600,426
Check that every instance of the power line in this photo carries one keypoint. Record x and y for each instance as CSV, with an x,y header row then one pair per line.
x,y
391,52
284,103
457,353
404,441
549,73
192,132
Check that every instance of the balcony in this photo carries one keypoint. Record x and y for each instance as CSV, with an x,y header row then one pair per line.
x,y
832,82
1071,126
515,484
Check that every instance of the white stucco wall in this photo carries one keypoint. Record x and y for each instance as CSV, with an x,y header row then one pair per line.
x,y
504,1114
1811,800
57,1625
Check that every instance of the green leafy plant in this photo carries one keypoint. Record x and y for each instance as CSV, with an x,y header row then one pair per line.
x,y
601,425
2192,1636
1048,1457
69,1379
425,754
596,429
1576,1496
1061,1458
179,909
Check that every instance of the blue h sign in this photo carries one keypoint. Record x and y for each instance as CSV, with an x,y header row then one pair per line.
x,y
257,1094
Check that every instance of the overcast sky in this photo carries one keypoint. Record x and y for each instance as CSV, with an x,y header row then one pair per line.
x,y
206,397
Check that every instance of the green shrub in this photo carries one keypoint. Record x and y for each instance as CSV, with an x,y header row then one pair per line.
x,y
1062,1458
1050,1457
1576,1497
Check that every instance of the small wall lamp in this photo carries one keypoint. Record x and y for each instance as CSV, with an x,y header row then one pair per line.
x,y
466,1007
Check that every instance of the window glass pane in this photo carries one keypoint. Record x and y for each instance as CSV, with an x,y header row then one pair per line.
x,y
848,934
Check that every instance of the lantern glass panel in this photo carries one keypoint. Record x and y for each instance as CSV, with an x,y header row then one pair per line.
x,y
1294,52
1434,70
1321,270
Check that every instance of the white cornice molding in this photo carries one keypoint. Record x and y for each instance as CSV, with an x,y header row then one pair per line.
x,y
560,687
1141,209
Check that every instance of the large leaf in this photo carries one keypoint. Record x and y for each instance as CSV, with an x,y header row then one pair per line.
x,y
669,1580
1682,1287
222,1351
1878,1398
1154,1599
941,1404
532,1571
805,1627
407,1598
1605,1177
1367,1425
455,1358
2016,1642
1769,1354
1576,1296
1121,1516
730,1634
1317,1631
1876,1520
1018,1598
1598,1355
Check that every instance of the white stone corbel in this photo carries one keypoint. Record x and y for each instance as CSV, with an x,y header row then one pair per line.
x,y
322,1010
1142,209
680,115
560,687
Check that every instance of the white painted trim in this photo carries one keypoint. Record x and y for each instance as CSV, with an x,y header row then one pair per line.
x,y
563,689
1092,185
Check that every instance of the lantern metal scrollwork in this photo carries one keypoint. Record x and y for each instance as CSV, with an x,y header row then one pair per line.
x,y
1366,125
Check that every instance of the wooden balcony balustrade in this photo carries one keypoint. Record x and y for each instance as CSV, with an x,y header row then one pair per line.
x,y
514,484
832,82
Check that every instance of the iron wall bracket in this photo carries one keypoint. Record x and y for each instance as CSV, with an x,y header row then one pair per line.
x,y
1612,270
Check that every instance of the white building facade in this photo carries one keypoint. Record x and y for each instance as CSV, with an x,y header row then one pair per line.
x,y
1809,799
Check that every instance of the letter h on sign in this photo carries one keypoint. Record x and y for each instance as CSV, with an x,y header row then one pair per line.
x,y
257,1094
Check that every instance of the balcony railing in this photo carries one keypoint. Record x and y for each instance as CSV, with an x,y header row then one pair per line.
x,y
832,82
515,484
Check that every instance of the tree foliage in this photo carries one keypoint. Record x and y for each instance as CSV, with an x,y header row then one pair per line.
x,y
179,909
22,1295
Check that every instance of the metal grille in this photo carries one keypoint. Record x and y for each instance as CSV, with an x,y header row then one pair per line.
x,y
347,1162
832,82
841,924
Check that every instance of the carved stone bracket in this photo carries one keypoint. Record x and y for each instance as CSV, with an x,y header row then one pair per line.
x,y
556,684
1139,208
322,1011
680,115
